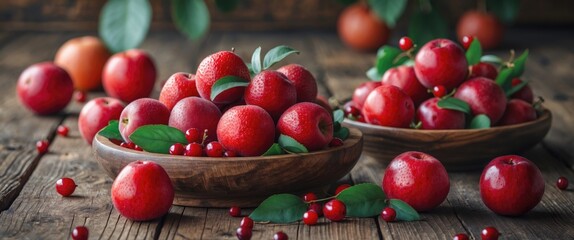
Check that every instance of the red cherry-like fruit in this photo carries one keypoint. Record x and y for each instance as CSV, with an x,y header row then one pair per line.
x,y
178,86
389,106
342,187
439,91
404,77
272,91
193,150
65,186
466,41
316,207
142,191
460,236
45,88
80,233
334,210
418,179
336,142
517,111
304,82
143,111
216,66
309,124
389,214
525,93
489,233
246,222
194,135
484,97
247,130
96,114
196,112
362,92
229,153
562,183
482,25
80,96
244,233
483,69
405,43
511,185
309,197
235,211
63,130
176,149
441,62
280,236
432,116
214,149
310,218
42,146
129,75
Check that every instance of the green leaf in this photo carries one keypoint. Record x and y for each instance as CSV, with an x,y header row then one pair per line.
x,y
480,121
226,5
291,145
504,78
388,10
338,115
112,131
519,64
256,61
474,52
363,200
373,74
337,126
280,208
425,26
277,54
516,88
275,149
404,211
342,133
190,17
454,104
386,56
491,59
157,138
124,24
226,83
505,10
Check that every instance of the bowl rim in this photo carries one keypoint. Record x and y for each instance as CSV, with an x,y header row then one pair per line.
x,y
546,115
355,137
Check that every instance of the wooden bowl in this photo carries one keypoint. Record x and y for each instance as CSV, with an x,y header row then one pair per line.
x,y
241,181
464,149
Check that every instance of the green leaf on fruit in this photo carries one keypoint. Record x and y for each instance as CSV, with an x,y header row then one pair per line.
x,y
491,59
342,133
191,17
275,149
338,115
226,83
519,64
427,25
387,58
363,200
226,5
157,138
256,61
373,74
454,104
404,211
280,208
124,24
516,88
291,145
480,121
505,10
474,52
277,54
388,10
112,131
504,78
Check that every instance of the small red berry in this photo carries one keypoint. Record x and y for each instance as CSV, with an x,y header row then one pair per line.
x,y
42,146
65,186
193,150
334,210
80,233
280,236
351,110
80,96
235,211
562,183
489,233
138,148
243,233
360,118
336,142
176,149
214,149
309,197
342,187
460,236
129,145
63,130
229,153
310,217
316,207
405,43
466,41
515,81
193,135
246,222
439,91
388,214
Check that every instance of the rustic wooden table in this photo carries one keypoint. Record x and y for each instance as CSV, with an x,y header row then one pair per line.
x,y
31,208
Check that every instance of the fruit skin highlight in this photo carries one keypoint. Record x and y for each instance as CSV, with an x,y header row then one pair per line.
x,y
309,124
247,130
216,66
441,62
45,88
96,114
129,75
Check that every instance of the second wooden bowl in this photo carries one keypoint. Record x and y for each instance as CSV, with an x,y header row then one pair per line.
x,y
464,149
241,181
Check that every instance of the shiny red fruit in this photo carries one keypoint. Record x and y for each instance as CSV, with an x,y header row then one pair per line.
x,y
466,41
45,88
439,91
63,130
216,66
246,222
214,149
194,135
562,183
405,43
460,236
65,186
280,236
405,78
193,150
309,197
334,210
431,116
484,97
80,233
483,69
310,217
441,62
389,214
42,146
517,111
129,75
235,211
389,106
176,149
244,233
316,207
80,96
489,233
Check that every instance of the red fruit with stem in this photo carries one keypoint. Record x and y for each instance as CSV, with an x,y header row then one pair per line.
x,y
194,135
432,116
334,210
272,91
247,130
389,214
484,97
178,86
193,150
184,116
517,111
439,91
309,197
65,186
405,43
129,75
143,111
466,41
217,66
304,82
307,123
389,106
96,114
404,77
45,88
362,92
441,62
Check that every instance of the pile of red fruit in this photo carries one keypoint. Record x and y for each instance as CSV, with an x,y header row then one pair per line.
x,y
467,91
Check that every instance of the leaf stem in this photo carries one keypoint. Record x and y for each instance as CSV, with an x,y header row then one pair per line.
x,y
321,199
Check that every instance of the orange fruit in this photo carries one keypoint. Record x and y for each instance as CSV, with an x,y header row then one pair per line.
x,y
361,29
84,59
482,25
